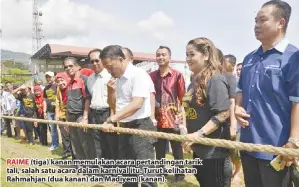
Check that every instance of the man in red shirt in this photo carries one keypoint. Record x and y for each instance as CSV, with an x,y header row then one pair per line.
x,y
170,89
78,101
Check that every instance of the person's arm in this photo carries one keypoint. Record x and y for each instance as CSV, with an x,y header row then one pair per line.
x,y
240,113
45,105
153,105
57,105
153,102
292,86
111,92
218,100
111,100
181,88
233,120
140,91
86,109
294,133
15,91
232,82
87,98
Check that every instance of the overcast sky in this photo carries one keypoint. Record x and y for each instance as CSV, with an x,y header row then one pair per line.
x,y
141,27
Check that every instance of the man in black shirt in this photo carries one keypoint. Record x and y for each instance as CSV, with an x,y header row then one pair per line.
x,y
29,109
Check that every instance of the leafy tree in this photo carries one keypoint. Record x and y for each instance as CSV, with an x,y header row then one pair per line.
x,y
14,64
15,75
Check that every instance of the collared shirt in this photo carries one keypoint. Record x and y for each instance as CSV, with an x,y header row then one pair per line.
x,y
134,83
77,93
269,83
97,87
170,91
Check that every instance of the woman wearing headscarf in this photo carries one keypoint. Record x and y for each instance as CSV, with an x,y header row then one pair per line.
x,y
62,80
41,128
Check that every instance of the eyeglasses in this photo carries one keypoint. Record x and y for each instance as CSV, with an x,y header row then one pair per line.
x,y
69,66
93,61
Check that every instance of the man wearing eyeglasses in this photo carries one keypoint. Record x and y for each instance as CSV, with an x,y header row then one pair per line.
x,y
78,102
105,143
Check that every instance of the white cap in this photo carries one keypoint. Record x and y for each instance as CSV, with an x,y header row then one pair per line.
x,y
50,73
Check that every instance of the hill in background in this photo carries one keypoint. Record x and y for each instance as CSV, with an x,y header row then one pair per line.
x,y
17,56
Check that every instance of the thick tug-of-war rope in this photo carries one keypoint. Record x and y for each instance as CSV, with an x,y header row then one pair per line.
x,y
182,138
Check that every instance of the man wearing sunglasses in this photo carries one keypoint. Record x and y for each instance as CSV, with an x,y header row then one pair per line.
x,y
78,102
105,143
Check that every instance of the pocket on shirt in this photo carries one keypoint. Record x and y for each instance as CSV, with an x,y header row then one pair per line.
x,y
275,75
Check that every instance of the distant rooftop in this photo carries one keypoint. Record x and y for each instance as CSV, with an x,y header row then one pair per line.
x,y
60,51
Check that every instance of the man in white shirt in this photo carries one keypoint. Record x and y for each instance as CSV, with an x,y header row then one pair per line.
x,y
105,143
133,108
112,86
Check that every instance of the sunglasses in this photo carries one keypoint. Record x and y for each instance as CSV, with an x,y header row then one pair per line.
x,y
93,61
69,66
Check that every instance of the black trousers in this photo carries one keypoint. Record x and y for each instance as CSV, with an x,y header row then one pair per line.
x,y
29,131
105,143
66,140
258,172
43,133
294,176
8,127
82,142
214,172
176,146
137,147
36,132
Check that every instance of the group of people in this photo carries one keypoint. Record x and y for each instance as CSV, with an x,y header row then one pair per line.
x,y
260,105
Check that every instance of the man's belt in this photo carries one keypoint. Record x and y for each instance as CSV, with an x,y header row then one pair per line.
x,y
99,110
131,123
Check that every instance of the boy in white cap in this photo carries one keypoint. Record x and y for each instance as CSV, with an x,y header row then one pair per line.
x,y
49,107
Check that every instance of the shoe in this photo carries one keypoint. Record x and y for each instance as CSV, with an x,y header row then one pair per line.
x,y
52,148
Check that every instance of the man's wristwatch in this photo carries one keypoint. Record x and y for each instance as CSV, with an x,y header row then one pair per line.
x,y
201,133
294,141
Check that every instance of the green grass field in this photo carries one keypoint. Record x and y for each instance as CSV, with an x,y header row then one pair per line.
x,y
12,148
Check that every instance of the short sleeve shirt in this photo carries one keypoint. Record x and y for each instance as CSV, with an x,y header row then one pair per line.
x,y
50,97
134,83
77,93
269,83
232,83
197,116
29,107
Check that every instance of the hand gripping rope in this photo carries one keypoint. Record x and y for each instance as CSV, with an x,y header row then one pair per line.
x,y
181,138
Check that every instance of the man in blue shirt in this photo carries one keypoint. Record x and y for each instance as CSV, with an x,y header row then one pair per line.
x,y
267,102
